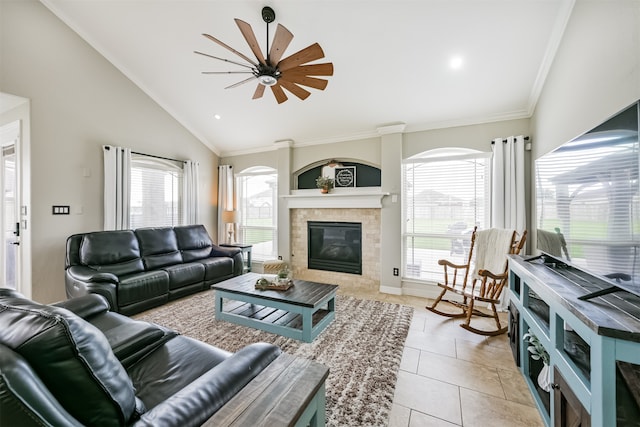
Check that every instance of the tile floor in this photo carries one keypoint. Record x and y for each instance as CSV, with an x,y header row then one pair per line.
x,y
451,377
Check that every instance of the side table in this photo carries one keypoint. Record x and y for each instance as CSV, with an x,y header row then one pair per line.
x,y
246,249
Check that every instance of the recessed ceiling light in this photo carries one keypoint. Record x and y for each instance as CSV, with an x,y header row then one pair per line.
x,y
217,116
456,62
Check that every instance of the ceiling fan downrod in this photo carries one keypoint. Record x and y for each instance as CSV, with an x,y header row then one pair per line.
x,y
268,16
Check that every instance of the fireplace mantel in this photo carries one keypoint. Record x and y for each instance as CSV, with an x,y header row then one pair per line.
x,y
344,198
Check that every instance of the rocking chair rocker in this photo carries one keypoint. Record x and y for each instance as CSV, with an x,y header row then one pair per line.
x,y
487,279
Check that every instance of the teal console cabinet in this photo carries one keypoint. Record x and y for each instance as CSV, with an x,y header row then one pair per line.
x,y
593,345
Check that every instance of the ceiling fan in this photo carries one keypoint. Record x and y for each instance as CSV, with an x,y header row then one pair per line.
x,y
289,73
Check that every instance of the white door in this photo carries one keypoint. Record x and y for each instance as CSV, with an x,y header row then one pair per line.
x,y
10,203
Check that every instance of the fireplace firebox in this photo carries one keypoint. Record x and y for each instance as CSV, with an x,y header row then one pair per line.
x,y
335,246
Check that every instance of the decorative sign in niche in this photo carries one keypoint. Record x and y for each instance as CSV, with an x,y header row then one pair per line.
x,y
345,176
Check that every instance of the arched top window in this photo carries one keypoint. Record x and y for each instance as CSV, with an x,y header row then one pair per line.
x,y
258,170
440,153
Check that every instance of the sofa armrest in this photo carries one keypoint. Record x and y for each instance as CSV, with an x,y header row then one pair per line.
x,y
222,251
195,403
87,274
81,280
85,306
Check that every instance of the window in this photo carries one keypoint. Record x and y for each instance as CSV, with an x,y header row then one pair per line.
x,y
257,191
446,192
156,192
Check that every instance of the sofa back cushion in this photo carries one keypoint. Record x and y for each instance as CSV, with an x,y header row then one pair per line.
x,y
72,358
114,252
194,242
24,399
158,247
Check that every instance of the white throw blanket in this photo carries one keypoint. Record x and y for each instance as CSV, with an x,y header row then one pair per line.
x,y
491,249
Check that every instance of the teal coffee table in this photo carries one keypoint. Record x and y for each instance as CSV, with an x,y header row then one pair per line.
x,y
301,312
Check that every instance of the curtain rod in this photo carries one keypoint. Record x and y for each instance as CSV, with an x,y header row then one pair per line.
x,y
106,147
158,157
526,138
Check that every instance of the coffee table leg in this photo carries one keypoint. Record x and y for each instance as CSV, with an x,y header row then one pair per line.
x,y
307,325
218,299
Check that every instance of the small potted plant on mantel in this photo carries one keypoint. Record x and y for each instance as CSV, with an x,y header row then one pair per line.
x,y
324,183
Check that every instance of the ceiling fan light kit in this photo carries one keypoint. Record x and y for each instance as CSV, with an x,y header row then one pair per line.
x,y
290,73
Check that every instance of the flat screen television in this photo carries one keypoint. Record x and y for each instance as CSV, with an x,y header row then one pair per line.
x,y
588,201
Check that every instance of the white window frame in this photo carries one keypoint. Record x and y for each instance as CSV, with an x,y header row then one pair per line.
x,y
413,268
258,253
171,168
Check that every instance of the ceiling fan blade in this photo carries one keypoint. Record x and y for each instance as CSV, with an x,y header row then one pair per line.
x,y
241,83
320,84
280,43
227,72
259,91
294,89
222,59
325,69
246,58
308,54
279,93
250,37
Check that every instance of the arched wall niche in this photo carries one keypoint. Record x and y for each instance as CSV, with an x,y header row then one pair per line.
x,y
366,174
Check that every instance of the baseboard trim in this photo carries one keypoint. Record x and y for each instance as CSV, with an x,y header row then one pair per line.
x,y
391,290
418,289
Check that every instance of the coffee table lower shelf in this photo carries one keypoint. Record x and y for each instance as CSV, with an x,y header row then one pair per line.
x,y
289,320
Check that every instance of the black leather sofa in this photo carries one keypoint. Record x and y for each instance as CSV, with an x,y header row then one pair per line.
x,y
77,363
139,269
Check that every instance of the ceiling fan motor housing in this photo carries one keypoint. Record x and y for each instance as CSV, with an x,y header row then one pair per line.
x,y
268,15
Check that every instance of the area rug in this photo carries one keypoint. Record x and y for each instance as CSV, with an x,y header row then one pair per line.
x,y
362,348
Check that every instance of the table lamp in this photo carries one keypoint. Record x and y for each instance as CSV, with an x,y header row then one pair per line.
x,y
230,218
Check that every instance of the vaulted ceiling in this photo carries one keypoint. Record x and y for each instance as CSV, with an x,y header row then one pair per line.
x,y
394,62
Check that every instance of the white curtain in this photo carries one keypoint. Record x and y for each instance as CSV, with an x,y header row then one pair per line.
x,y
190,199
225,197
507,195
117,186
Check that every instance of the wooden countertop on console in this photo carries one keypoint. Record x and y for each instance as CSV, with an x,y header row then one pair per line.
x,y
616,315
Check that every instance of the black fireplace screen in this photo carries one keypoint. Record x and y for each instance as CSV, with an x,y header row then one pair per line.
x,y
335,246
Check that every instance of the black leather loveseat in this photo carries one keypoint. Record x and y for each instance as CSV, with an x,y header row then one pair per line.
x,y
77,363
139,269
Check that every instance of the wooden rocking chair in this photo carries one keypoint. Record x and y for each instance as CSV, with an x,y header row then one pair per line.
x,y
487,279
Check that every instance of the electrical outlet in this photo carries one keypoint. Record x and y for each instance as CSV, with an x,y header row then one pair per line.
x,y
395,271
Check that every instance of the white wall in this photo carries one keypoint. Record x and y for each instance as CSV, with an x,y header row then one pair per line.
x,y
387,153
79,102
595,74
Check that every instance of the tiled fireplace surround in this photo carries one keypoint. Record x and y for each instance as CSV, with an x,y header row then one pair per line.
x,y
370,220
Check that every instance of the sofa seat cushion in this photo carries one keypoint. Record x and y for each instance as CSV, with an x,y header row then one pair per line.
x,y
172,367
182,275
139,287
217,268
197,401
72,358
